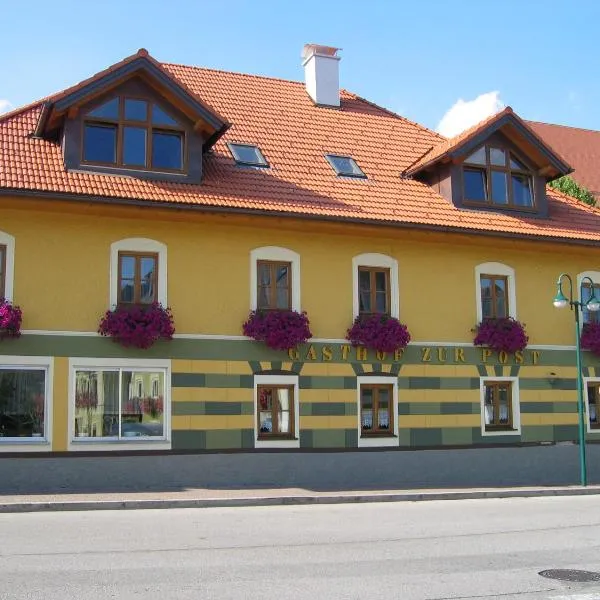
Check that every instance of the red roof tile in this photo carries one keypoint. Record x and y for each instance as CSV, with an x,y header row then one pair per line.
x,y
293,134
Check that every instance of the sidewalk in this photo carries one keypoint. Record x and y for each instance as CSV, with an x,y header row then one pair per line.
x,y
211,498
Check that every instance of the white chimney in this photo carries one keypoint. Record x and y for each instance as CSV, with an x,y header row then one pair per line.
x,y
322,74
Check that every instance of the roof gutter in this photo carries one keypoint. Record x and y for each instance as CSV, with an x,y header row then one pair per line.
x,y
84,198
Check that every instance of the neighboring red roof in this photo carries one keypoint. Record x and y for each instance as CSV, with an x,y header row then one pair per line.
x,y
581,147
294,135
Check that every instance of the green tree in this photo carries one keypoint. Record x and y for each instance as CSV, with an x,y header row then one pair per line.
x,y
567,185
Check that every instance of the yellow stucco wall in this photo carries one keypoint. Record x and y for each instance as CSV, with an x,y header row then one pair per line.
x,y
63,250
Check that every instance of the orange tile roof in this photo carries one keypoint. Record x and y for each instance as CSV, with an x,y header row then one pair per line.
x,y
293,134
581,147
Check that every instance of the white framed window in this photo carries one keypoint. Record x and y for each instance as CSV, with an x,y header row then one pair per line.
x,y
586,315
276,411
377,404
500,408
495,291
25,403
274,278
375,285
592,404
106,409
129,283
7,265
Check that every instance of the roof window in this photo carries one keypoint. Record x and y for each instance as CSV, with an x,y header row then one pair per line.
x,y
345,166
248,155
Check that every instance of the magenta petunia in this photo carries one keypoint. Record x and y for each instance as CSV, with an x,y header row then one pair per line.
x,y
502,335
278,329
136,326
379,332
11,317
590,337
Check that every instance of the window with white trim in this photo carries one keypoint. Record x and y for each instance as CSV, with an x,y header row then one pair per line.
x,y
495,291
377,403
593,405
274,279
138,272
7,265
24,401
276,411
585,289
500,414
109,403
375,285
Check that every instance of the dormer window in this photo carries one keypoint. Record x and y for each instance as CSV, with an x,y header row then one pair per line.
x,y
345,166
495,176
133,133
247,155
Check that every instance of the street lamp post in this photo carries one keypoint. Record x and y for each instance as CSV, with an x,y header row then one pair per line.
x,y
593,304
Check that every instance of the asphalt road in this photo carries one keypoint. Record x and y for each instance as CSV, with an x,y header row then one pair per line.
x,y
427,550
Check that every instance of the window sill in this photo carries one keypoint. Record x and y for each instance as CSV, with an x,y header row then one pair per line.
x,y
500,431
29,444
94,445
277,442
378,440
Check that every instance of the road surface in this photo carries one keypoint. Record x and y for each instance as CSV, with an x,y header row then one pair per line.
x,y
425,550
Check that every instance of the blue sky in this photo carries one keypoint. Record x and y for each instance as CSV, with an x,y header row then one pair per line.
x,y
416,58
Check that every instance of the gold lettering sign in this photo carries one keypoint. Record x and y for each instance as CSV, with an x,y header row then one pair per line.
x,y
361,353
459,355
312,353
425,354
327,353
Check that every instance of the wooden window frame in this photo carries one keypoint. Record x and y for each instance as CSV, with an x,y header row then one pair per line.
x,y
508,171
376,431
593,425
3,261
137,277
373,294
272,289
120,123
275,433
496,385
494,296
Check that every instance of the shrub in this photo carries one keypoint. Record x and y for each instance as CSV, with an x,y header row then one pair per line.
x,y
379,332
503,335
590,337
11,317
136,326
278,329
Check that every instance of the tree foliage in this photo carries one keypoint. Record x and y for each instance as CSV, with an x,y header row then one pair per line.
x,y
567,185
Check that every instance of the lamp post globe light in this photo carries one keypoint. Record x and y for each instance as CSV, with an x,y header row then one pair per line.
x,y
593,305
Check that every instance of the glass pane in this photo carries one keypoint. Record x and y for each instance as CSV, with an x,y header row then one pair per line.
x,y
364,278
134,146
381,302
345,165
147,267
486,287
136,110
499,190
265,422
127,266
263,297
22,402
246,154
475,185
160,117
282,298
265,399
516,164
147,273
282,276
96,404
366,417
167,150
477,158
126,292
365,302
380,281
383,412
100,143
503,406
500,291
593,404
489,405
141,414
108,110
366,397
586,294
264,274
497,157
521,188
487,311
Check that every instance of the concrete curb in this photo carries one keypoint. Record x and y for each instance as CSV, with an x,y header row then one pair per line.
x,y
164,503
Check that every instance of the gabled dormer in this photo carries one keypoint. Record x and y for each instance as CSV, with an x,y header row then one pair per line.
x,y
500,164
133,119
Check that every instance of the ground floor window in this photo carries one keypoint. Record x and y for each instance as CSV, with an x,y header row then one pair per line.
x,y
276,411
500,411
119,403
376,416
593,398
23,403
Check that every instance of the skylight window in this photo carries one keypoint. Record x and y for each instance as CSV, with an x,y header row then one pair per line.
x,y
345,166
248,155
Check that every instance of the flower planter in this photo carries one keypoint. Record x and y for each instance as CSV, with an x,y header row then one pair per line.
x,y
379,332
278,329
590,337
11,317
136,326
501,335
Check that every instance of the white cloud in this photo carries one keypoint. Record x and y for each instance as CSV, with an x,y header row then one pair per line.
x,y
5,106
466,113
